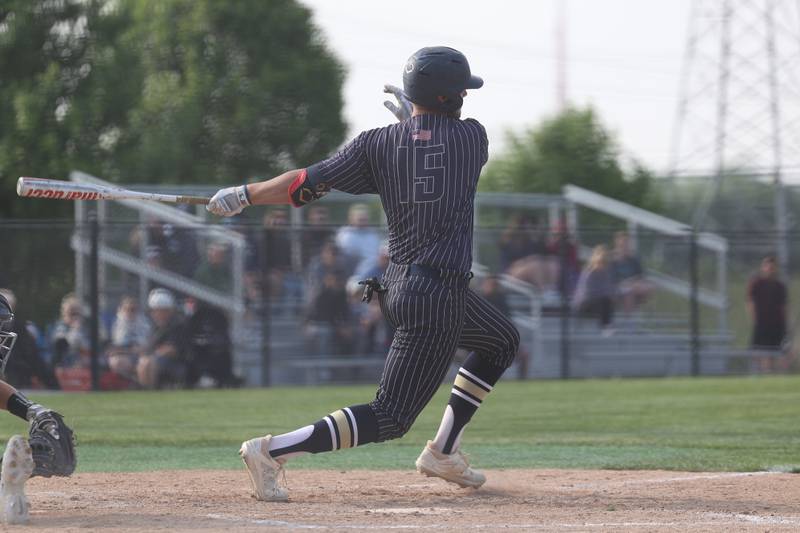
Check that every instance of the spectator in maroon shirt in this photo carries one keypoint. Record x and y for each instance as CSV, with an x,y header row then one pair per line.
x,y
767,299
563,251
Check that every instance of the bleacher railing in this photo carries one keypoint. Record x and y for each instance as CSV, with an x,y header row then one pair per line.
x,y
636,218
527,312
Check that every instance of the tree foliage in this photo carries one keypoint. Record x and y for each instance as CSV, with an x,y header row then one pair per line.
x,y
572,147
185,91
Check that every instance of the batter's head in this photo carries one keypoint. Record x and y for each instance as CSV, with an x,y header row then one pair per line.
x,y
436,76
7,338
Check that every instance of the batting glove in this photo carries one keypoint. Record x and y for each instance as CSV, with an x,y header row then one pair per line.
x,y
403,110
229,201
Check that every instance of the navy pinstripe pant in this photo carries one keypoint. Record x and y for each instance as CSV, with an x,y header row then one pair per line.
x,y
432,318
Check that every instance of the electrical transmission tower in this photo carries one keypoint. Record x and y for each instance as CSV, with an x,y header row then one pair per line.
x,y
739,103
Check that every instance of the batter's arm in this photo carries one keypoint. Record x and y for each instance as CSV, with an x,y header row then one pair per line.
x,y
232,200
273,191
348,171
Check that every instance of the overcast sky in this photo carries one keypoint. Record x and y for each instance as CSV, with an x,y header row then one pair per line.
x,y
624,57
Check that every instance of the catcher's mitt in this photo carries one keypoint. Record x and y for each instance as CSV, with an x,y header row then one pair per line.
x,y
52,444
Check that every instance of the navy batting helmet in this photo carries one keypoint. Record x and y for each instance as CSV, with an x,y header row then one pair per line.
x,y
435,76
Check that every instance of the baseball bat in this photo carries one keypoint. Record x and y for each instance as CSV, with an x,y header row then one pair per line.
x,y
70,190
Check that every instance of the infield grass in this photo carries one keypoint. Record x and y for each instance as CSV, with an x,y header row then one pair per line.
x,y
730,424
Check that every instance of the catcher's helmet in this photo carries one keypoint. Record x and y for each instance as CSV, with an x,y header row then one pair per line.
x,y
7,338
435,76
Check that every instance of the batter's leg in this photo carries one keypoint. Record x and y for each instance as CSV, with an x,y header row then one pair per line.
x,y
427,317
493,341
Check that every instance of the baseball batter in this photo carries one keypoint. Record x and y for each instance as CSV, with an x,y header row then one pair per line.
x,y
425,169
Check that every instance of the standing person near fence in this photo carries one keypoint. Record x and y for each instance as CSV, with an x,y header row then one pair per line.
x,y
426,171
767,300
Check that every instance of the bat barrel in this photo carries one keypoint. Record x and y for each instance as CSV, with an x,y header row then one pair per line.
x,y
70,190
57,190
24,186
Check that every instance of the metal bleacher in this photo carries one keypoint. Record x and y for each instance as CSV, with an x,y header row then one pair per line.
x,y
646,343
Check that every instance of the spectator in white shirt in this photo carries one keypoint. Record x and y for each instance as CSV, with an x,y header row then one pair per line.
x,y
358,241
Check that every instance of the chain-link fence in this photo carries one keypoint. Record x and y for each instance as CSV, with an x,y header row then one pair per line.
x,y
157,296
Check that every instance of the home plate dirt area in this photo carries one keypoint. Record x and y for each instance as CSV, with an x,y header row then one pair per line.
x,y
533,500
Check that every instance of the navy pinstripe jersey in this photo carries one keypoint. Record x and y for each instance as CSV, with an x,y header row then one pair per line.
x,y
425,170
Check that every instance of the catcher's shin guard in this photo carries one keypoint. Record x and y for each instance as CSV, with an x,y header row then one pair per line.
x,y
17,468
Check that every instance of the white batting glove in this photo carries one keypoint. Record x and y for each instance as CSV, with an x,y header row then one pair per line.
x,y
229,201
403,110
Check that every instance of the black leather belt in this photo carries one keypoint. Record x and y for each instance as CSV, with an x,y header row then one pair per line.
x,y
439,274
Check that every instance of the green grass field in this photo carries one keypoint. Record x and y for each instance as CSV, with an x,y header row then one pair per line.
x,y
733,424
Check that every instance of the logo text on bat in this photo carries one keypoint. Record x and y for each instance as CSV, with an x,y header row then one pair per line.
x,y
64,195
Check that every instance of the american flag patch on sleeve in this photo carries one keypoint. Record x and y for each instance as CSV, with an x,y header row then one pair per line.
x,y
421,135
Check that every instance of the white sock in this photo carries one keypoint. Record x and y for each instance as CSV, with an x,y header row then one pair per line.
x,y
445,428
290,439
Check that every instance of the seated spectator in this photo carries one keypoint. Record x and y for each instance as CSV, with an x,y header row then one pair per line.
x,y
358,241
524,255
176,247
215,271
494,294
328,327
26,363
492,291
563,258
375,332
252,290
595,292
130,333
767,301
70,336
374,268
632,288
276,254
329,261
316,232
182,245
164,357
210,349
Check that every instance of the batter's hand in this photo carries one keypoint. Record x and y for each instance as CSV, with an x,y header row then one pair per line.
x,y
229,201
403,110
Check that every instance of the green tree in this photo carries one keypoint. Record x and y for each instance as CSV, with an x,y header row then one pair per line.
x,y
572,147
185,91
